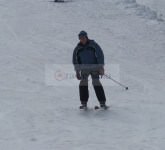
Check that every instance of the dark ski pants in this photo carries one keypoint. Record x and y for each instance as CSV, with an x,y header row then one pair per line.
x,y
83,87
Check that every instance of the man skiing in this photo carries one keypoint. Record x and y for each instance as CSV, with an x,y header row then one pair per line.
x,y
88,59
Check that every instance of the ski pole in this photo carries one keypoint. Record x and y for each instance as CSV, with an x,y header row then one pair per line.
x,y
117,82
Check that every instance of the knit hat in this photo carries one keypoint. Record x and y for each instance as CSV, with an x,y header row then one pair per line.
x,y
83,34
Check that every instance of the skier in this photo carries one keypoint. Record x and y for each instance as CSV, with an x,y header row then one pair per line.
x,y
88,59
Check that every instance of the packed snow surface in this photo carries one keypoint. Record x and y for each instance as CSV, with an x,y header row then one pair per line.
x,y
35,116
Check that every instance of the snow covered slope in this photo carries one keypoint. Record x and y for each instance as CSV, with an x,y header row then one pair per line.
x,y
157,5
148,9
34,116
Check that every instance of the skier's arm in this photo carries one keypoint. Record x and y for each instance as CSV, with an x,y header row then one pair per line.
x,y
99,55
76,64
75,60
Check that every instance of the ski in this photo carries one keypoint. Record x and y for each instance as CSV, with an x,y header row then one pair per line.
x,y
102,108
83,108
95,108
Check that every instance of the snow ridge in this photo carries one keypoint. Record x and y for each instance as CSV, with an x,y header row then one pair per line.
x,y
142,10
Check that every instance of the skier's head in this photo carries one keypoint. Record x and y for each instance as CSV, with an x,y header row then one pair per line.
x,y
83,37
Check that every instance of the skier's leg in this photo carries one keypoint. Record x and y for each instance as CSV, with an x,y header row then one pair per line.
x,y
99,90
83,88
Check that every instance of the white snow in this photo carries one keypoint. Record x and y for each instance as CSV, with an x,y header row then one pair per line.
x,y
157,5
34,116
146,9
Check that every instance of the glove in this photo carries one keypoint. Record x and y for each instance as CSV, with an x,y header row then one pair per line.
x,y
78,75
101,71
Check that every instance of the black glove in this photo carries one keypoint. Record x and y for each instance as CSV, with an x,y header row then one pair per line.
x,y
78,75
101,71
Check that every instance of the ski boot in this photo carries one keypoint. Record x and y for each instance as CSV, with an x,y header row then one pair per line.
x,y
104,106
83,106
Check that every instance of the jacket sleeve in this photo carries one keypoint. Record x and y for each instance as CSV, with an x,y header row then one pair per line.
x,y
99,54
75,60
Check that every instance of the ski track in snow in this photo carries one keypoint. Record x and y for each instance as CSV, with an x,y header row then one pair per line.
x,y
34,116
